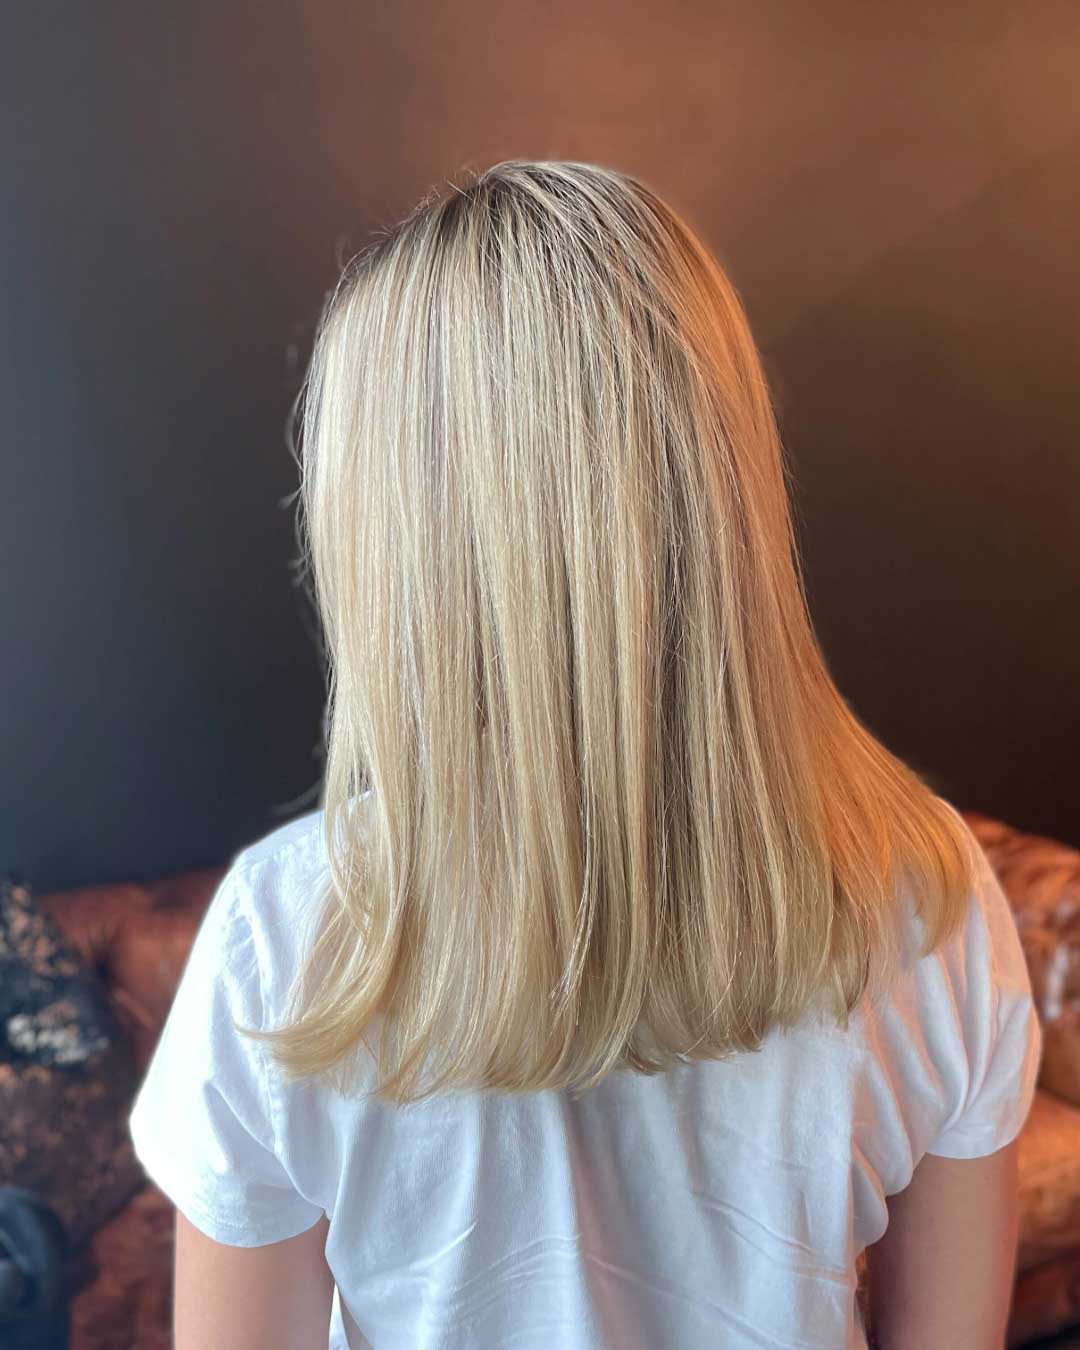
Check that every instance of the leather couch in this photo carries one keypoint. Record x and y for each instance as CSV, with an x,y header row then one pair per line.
x,y
137,938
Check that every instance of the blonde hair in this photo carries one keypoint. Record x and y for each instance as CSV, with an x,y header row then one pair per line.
x,y
591,797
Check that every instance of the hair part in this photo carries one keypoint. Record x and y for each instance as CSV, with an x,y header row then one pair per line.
x,y
592,799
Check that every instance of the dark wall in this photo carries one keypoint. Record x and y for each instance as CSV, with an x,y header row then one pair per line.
x,y
895,190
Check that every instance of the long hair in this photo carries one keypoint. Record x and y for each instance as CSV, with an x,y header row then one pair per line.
x,y
591,797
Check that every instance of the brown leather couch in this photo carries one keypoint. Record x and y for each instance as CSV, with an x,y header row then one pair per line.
x,y
137,939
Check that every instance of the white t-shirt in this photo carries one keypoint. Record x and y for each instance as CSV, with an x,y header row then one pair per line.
x,y
720,1203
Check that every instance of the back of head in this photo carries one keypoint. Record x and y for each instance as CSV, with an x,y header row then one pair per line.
x,y
591,796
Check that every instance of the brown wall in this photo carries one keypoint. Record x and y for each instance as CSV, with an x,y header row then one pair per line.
x,y
895,189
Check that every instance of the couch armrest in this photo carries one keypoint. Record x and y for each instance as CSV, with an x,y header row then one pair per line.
x,y
1041,878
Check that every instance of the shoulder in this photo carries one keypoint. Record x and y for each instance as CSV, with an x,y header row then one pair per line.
x,y
271,900
266,905
957,1030
297,845
281,845
985,943
987,946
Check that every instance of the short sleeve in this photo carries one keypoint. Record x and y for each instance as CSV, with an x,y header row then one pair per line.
x,y
999,1025
202,1123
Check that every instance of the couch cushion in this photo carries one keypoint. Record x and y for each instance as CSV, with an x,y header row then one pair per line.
x,y
1046,1300
125,1297
1049,1181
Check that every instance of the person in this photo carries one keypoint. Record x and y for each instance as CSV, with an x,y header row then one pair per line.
x,y
624,988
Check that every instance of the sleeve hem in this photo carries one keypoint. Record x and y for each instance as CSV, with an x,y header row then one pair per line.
x,y
978,1143
245,1236
205,1211
237,1235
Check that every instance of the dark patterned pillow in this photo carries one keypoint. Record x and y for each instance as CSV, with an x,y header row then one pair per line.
x,y
67,1075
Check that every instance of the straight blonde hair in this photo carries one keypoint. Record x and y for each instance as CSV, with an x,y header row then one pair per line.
x,y
592,800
